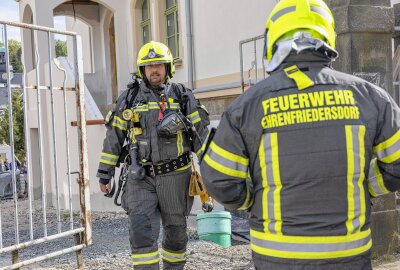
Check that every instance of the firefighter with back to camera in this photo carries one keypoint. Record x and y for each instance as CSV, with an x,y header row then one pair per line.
x,y
305,149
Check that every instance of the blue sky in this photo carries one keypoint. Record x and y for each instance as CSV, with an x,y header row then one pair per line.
x,y
9,11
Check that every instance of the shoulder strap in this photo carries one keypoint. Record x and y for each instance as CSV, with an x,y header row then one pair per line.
x,y
133,91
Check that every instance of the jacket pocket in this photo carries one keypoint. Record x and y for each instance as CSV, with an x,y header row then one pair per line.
x,y
168,148
144,149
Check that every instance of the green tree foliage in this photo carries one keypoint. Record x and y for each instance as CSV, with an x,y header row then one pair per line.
x,y
61,48
18,125
15,52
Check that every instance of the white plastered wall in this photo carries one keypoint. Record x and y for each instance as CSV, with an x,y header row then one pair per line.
x,y
217,28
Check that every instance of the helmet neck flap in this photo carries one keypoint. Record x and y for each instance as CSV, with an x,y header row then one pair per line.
x,y
300,42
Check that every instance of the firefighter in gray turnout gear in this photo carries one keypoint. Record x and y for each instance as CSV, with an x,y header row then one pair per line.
x,y
305,149
155,121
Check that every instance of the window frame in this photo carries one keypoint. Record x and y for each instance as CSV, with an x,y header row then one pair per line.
x,y
168,11
147,22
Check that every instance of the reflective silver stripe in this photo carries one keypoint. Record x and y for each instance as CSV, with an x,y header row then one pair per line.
x,y
120,123
109,158
375,180
389,151
270,182
321,12
249,199
226,162
108,116
282,12
195,117
174,105
142,108
136,260
173,257
310,247
355,137
356,175
315,9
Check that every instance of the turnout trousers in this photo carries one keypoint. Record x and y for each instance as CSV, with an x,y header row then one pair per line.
x,y
145,201
359,262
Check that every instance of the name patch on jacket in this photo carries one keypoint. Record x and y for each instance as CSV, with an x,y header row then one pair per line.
x,y
309,107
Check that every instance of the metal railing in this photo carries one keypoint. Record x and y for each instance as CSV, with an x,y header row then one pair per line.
x,y
254,63
26,234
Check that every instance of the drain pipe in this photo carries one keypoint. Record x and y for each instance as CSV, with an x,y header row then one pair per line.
x,y
189,38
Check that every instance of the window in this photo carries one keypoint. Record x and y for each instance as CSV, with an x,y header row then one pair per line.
x,y
145,24
172,33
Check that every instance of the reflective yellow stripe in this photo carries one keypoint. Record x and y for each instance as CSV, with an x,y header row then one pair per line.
x,y
109,155
179,143
203,147
310,247
391,158
109,159
361,138
301,79
173,257
389,150
147,262
265,185
195,121
155,106
146,258
108,162
277,180
145,255
194,117
204,108
376,185
174,106
248,202
199,151
141,108
118,126
355,137
226,162
272,186
223,169
119,120
185,167
108,116
228,155
389,142
119,123
173,253
350,173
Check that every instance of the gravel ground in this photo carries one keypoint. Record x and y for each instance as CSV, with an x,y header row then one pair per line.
x,y
110,249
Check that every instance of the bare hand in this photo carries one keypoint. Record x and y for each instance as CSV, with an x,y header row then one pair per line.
x,y
105,188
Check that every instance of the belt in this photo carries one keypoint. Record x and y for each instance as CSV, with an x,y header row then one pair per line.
x,y
170,166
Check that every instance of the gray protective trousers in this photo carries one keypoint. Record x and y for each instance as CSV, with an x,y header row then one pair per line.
x,y
359,262
145,200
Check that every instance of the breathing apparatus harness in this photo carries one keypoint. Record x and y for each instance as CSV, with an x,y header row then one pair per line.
x,y
170,123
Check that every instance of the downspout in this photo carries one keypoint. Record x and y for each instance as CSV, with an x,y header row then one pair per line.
x,y
189,40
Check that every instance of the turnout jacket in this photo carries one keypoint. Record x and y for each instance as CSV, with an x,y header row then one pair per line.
x,y
152,148
304,150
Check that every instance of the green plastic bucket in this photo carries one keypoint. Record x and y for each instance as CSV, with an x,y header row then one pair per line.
x,y
215,227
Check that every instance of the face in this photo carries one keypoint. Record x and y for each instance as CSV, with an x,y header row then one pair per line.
x,y
155,74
